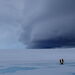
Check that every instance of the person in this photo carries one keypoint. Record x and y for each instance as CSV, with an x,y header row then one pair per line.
x,y
61,61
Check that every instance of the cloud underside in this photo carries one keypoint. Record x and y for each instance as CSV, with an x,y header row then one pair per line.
x,y
52,43
49,24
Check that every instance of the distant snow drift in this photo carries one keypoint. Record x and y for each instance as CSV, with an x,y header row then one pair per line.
x,y
49,24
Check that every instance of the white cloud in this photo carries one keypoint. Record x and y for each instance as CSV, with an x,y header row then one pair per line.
x,y
11,14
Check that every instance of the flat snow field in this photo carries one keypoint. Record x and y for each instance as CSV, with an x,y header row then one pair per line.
x,y
37,62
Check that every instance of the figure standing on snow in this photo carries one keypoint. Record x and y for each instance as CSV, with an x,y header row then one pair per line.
x,y
61,61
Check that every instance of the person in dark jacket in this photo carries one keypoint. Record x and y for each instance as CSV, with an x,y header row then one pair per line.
x,y
61,61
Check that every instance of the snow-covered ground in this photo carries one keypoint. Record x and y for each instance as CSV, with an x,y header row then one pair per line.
x,y
37,62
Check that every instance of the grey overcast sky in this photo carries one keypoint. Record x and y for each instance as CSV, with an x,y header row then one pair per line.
x,y
37,24
11,13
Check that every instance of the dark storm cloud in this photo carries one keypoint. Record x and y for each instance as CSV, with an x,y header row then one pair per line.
x,y
49,24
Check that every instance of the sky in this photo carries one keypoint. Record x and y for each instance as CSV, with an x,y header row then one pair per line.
x,y
37,24
10,24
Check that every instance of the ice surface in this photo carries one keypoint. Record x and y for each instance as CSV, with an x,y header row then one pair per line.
x,y
37,62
